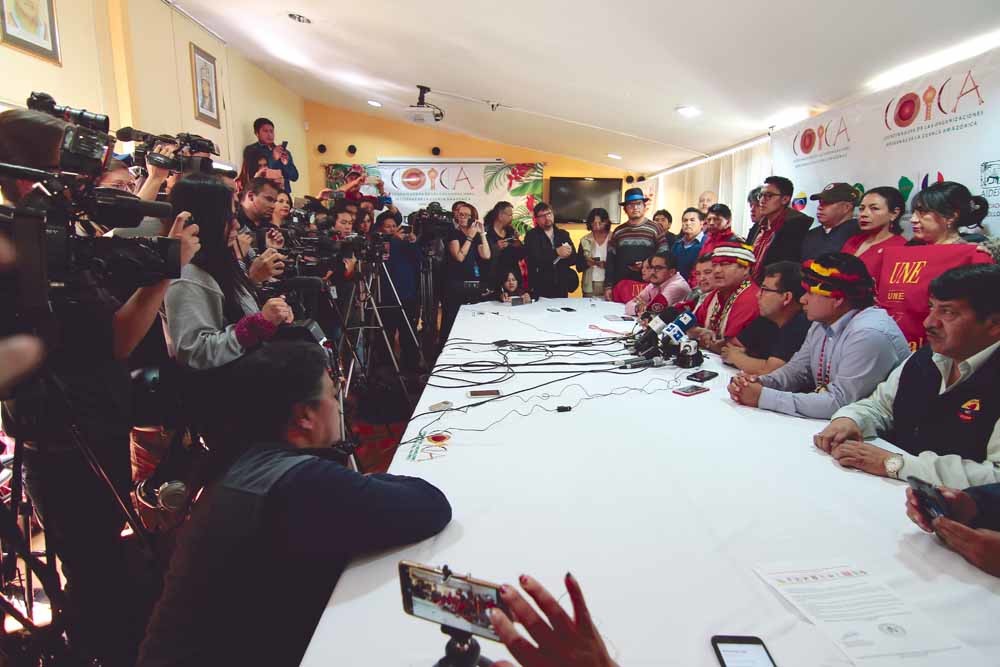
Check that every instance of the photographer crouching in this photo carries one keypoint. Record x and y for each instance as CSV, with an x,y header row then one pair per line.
x,y
275,504
86,366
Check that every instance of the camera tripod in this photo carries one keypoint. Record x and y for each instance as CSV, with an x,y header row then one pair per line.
x,y
366,294
46,642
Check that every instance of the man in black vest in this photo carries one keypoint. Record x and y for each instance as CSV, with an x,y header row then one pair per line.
x,y
551,256
276,507
941,406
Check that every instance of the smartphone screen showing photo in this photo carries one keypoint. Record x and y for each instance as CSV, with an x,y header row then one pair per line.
x,y
459,602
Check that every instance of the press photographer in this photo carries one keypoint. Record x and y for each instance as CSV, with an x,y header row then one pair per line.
x,y
86,379
275,504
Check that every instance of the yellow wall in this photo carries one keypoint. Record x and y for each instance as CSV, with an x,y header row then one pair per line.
x,y
131,60
377,137
85,77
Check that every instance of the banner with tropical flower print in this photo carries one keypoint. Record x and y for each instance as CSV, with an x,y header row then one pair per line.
x,y
413,184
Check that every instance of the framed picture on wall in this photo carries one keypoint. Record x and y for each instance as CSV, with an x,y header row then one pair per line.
x,y
205,82
30,26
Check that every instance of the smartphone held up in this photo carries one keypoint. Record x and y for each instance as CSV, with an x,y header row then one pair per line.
x,y
451,600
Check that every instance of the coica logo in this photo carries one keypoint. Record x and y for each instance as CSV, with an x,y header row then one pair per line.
x,y
821,137
911,107
413,178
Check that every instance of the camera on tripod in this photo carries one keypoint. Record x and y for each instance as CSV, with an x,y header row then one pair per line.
x,y
431,223
184,159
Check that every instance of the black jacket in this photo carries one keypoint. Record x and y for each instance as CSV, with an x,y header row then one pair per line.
x,y
787,243
546,277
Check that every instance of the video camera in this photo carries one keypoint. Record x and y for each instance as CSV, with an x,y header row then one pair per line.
x,y
430,223
184,159
43,225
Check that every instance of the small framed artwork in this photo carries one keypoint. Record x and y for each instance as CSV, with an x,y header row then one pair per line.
x,y
205,80
30,26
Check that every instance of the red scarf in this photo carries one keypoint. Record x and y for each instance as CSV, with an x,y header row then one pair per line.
x,y
761,244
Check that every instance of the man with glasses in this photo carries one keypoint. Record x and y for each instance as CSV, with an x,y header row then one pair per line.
x,y
850,348
771,339
666,286
632,242
779,234
551,256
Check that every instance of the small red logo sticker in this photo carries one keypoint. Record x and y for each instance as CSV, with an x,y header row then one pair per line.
x,y
969,410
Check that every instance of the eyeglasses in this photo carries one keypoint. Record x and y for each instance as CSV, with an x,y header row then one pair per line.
x,y
767,195
633,204
774,291
658,268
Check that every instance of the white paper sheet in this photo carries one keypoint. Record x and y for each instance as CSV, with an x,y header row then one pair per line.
x,y
863,616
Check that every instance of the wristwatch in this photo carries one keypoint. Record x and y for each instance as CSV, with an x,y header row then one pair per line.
x,y
893,465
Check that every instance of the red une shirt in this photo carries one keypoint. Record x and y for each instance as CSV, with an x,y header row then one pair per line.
x,y
905,278
872,257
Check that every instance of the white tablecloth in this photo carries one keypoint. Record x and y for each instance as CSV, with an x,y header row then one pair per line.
x,y
659,504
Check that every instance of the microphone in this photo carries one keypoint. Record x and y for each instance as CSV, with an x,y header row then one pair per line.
x,y
651,335
648,354
677,330
131,134
655,362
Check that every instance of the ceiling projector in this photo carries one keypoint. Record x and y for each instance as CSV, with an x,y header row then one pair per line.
x,y
423,112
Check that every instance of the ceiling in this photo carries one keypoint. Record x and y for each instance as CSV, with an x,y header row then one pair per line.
x,y
592,77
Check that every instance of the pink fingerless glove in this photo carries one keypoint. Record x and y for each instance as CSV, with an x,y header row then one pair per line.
x,y
253,329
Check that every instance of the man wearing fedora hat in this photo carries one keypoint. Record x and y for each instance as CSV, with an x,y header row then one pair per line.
x,y
632,242
835,215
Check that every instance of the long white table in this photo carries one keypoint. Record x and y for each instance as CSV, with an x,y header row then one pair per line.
x,y
659,504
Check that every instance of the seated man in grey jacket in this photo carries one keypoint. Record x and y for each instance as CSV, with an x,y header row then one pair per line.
x,y
941,407
851,347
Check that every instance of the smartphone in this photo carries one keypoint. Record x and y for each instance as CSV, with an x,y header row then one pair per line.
x,y
457,601
568,309
284,145
372,180
691,390
618,318
702,376
553,310
483,393
932,503
733,651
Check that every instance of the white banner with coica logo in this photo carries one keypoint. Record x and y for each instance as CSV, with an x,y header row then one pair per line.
x,y
413,184
941,126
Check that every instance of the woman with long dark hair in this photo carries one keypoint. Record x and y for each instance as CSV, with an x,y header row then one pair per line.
x,y
879,214
509,289
940,209
213,316
594,253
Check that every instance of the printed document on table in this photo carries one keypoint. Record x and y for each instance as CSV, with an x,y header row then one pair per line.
x,y
864,617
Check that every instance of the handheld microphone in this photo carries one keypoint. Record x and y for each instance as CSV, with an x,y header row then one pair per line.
x,y
651,335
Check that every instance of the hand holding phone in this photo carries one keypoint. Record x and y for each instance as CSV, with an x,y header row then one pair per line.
x,y
929,499
455,601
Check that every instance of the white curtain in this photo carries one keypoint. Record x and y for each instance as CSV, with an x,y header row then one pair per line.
x,y
731,177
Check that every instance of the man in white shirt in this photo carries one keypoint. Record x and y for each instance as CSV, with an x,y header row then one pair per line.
x,y
942,405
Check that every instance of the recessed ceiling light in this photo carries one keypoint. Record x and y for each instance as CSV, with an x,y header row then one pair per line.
x,y
373,103
688,111
614,156
588,178
298,18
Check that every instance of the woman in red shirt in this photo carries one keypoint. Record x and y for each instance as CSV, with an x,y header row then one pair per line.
x,y
878,217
